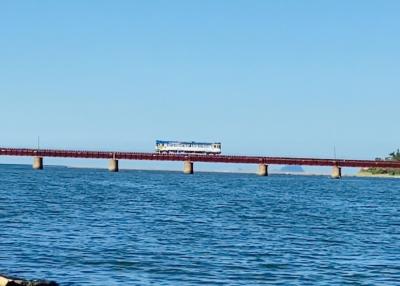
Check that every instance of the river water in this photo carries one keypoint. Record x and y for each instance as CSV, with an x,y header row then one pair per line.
x,y
92,227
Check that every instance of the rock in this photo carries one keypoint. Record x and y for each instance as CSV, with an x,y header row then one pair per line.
x,y
12,281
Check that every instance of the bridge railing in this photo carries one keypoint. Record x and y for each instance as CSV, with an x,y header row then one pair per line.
x,y
196,158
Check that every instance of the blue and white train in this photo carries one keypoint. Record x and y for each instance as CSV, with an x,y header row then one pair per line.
x,y
187,147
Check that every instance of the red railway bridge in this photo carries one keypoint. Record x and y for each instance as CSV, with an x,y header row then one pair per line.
x,y
189,159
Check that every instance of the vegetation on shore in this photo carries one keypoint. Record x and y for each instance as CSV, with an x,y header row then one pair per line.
x,y
394,156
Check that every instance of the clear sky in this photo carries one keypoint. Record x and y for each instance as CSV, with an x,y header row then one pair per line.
x,y
279,78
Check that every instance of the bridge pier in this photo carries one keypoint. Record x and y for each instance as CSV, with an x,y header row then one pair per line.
x,y
113,165
262,170
188,167
37,163
336,172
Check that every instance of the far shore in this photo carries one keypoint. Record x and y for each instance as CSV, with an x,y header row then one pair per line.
x,y
370,175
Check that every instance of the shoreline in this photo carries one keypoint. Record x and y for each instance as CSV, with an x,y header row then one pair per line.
x,y
363,174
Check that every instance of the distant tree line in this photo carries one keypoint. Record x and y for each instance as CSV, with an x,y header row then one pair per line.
x,y
395,156
384,171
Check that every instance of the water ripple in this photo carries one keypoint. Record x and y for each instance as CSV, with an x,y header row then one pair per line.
x,y
91,227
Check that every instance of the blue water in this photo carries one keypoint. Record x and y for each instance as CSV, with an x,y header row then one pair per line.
x,y
91,227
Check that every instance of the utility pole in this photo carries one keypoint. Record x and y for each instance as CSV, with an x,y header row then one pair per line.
x,y
334,152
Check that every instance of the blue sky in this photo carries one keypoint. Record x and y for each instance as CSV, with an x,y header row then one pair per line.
x,y
278,78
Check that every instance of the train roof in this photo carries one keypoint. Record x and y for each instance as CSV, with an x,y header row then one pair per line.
x,y
185,142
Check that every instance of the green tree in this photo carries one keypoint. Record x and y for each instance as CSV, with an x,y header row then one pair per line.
x,y
395,155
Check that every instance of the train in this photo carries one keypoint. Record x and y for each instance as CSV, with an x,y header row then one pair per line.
x,y
180,147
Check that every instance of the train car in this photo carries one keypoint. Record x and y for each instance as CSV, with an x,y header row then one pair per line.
x,y
187,147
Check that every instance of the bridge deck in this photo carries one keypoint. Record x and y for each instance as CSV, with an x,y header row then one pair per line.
x,y
196,158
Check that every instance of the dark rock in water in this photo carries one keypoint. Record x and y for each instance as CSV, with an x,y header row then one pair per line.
x,y
292,169
12,281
